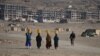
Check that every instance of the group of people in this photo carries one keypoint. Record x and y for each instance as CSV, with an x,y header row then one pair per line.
x,y
48,39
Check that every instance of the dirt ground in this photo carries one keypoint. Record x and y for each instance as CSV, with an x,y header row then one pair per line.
x,y
13,43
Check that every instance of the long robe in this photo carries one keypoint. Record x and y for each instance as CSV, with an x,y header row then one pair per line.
x,y
48,41
38,40
56,39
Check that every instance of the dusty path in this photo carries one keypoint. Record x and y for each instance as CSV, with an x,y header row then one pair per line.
x,y
65,49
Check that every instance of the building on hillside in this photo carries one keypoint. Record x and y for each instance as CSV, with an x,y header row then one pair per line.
x,y
23,10
92,15
2,8
75,15
15,12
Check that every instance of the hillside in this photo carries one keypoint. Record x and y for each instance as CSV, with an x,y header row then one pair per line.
x,y
35,4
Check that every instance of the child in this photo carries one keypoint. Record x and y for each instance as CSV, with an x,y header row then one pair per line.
x,y
28,38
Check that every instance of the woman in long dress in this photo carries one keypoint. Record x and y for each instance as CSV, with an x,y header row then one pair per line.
x,y
38,39
56,39
48,41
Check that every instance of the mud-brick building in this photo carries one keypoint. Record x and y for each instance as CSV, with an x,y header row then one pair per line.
x,y
75,15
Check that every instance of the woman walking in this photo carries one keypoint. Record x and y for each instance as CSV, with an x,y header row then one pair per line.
x,y
48,41
38,39
56,39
